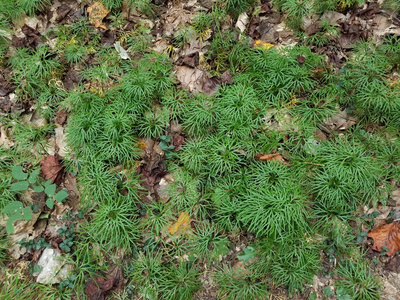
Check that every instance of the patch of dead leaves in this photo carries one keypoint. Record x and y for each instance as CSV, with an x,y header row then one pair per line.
x,y
386,236
98,287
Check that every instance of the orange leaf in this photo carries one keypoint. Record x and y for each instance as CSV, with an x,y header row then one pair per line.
x,y
181,225
387,236
97,12
141,145
273,156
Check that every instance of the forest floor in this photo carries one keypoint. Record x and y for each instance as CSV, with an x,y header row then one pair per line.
x,y
185,49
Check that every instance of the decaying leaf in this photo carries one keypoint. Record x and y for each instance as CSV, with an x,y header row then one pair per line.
x,y
98,288
262,45
268,157
181,225
5,140
386,236
97,12
52,169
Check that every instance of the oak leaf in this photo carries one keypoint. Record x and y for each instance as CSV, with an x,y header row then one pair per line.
x,y
97,12
386,237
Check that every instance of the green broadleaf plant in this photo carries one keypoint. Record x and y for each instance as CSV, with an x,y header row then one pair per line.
x,y
15,210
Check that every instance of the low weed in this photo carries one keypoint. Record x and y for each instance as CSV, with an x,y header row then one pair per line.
x,y
358,281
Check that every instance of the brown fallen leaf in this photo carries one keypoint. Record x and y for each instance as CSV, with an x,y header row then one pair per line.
x,y
387,236
178,141
61,117
181,225
97,12
268,157
52,169
98,288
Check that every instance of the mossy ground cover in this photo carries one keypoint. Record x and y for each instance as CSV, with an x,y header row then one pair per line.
x,y
266,178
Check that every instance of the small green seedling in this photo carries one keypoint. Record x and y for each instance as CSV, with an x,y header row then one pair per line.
x,y
15,209
69,235
385,250
41,243
164,140
361,236
34,268
35,183
67,283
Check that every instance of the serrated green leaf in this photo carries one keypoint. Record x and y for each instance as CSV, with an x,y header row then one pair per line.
x,y
38,188
249,253
27,213
61,195
10,222
18,173
12,207
50,190
19,186
50,203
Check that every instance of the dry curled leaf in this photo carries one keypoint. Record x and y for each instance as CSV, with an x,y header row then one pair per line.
x,y
52,169
97,12
386,236
269,157
181,225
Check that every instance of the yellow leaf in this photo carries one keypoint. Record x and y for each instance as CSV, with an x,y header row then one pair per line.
x,y
262,45
181,225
